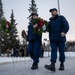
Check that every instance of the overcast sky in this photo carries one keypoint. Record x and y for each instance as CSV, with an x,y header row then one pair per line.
x,y
20,8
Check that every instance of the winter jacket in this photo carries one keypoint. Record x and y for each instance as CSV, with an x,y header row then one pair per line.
x,y
31,35
57,25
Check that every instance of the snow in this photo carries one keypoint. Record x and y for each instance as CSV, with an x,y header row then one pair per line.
x,y
69,54
13,59
16,59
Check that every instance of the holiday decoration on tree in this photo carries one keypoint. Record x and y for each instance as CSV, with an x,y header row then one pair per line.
x,y
39,26
23,34
10,37
6,25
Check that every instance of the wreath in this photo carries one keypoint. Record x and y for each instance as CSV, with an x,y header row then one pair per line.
x,y
23,34
6,25
39,26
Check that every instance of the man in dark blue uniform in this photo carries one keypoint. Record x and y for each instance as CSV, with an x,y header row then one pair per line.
x,y
58,28
34,43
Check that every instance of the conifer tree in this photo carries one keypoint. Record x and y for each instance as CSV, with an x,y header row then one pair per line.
x,y
1,15
33,7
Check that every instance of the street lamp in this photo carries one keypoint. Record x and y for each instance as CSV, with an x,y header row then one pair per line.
x,y
58,7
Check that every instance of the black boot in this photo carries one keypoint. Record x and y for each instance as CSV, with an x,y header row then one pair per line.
x,y
50,67
61,66
34,66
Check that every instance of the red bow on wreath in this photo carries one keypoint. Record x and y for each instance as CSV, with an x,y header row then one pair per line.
x,y
40,23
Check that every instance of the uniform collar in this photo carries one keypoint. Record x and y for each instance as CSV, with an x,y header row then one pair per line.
x,y
54,17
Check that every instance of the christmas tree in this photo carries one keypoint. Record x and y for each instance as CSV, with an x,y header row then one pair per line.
x,y
11,38
33,7
13,34
1,10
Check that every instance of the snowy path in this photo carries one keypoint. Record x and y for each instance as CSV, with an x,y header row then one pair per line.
x,y
16,59
24,68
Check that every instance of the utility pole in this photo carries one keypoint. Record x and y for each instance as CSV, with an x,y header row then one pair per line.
x,y
58,7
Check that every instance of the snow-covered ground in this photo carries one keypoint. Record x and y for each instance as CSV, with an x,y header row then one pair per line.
x,y
13,59
70,54
16,59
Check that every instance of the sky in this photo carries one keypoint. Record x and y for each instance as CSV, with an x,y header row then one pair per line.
x,y
20,8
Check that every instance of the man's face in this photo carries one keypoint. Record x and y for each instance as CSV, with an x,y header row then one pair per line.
x,y
53,13
35,16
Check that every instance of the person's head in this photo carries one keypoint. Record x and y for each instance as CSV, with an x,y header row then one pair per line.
x,y
53,11
34,15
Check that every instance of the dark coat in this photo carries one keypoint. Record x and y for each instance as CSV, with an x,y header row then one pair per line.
x,y
56,26
31,35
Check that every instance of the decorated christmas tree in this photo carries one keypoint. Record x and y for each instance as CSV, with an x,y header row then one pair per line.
x,y
11,37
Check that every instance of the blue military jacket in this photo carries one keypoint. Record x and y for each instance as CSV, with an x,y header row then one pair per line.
x,y
31,35
56,26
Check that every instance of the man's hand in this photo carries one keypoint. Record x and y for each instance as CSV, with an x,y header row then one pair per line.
x,y
62,34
